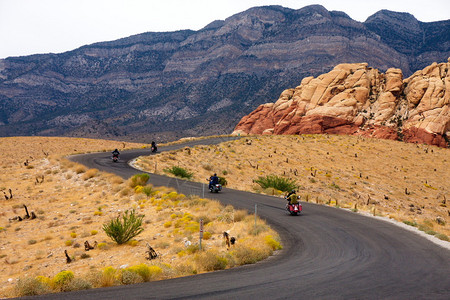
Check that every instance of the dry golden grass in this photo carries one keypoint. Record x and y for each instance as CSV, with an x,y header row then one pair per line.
x,y
72,203
406,182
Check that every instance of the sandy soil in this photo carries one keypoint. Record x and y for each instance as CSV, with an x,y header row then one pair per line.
x,y
72,203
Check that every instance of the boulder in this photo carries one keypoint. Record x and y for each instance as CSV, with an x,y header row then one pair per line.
x,y
359,100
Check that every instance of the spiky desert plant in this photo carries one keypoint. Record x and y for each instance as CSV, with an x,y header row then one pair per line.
x,y
276,182
125,227
179,172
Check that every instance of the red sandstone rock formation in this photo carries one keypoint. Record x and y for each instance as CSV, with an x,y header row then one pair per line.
x,y
358,100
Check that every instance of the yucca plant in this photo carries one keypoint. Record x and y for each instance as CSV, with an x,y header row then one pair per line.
x,y
125,227
179,172
276,182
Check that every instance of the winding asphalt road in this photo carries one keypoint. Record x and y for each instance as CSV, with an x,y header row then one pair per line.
x,y
328,254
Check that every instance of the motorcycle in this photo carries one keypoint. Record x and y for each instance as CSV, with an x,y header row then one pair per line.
x,y
154,148
115,157
294,209
215,188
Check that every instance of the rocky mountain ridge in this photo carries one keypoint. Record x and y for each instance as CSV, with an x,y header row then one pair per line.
x,y
189,83
358,100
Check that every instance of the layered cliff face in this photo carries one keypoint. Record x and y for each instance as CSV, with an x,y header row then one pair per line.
x,y
358,100
201,82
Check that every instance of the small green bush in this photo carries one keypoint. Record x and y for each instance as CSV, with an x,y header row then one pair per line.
x,y
410,223
442,236
276,182
148,190
179,172
223,181
122,229
139,179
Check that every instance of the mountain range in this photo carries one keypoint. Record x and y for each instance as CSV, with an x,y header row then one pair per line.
x,y
167,85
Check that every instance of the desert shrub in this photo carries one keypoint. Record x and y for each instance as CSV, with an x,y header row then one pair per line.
x,y
240,215
245,255
108,277
410,223
30,287
207,167
68,243
276,182
146,272
62,279
258,229
442,236
77,284
179,172
122,229
274,244
73,235
129,277
94,232
148,190
80,169
133,243
102,246
211,261
223,181
91,173
125,192
138,179
191,249
207,235
117,180
32,242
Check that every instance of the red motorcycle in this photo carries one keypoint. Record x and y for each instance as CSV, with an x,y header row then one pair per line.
x,y
294,209
115,157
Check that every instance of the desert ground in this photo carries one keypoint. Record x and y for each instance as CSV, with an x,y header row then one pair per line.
x,y
401,181
72,203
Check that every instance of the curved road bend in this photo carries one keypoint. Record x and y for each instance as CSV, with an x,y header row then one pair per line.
x,y
328,254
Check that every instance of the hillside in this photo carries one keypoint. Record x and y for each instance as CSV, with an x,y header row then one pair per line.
x,y
404,182
164,85
358,100
72,203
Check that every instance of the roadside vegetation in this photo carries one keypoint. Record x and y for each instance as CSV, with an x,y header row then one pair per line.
x,y
119,221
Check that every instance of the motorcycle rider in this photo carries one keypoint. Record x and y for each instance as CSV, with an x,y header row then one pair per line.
x,y
115,153
213,180
292,197
154,148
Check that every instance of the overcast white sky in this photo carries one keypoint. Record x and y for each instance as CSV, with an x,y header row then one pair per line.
x,y
43,26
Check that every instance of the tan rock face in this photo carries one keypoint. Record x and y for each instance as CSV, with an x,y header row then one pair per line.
x,y
356,99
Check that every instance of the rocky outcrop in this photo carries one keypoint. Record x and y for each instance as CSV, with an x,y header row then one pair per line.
x,y
358,100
